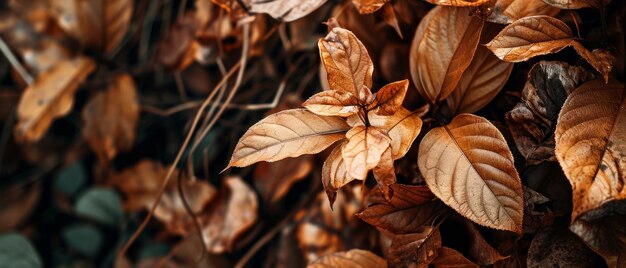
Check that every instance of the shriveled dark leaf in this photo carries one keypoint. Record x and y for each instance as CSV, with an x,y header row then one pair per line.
x,y
419,248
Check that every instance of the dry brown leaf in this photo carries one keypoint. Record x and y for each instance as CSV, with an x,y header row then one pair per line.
x,y
50,97
402,127
480,83
450,258
348,66
364,150
385,172
289,133
98,24
354,258
533,120
479,250
507,11
459,3
139,183
17,205
332,103
574,4
605,233
234,214
179,47
389,16
477,176
409,208
389,98
172,211
437,69
285,10
273,180
369,6
334,173
558,247
111,118
591,144
600,59
417,249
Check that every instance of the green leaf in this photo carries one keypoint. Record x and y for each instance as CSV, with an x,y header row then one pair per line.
x,y
70,179
16,251
83,238
100,204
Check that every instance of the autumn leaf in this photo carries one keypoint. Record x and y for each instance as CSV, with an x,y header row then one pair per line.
x,y
540,35
285,10
369,6
273,180
533,120
389,16
450,258
50,97
437,69
418,248
285,134
389,98
477,176
235,213
574,4
558,247
480,83
364,150
98,24
172,210
111,118
334,173
507,11
348,66
603,231
332,103
353,258
590,144
409,208
459,3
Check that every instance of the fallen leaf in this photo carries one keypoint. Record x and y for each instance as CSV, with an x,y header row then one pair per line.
x,y
273,180
533,120
333,103
288,133
98,24
536,218
507,11
389,98
350,259
348,66
450,258
540,35
369,6
235,213
285,10
459,3
558,247
111,118
139,183
409,208
590,144
437,69
334,173
480,83
574,4
179,47
419,248
477,177
604,233
172,212
50,97
363,150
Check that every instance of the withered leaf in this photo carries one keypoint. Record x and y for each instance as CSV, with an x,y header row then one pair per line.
x,y
409,208
172,211
50,97
98,24
450,258
111,118
605,233
288,133
558,247
354,258
385,172
533,120
334,173
540,35
389,98
273,180
591,144
285,10
17,205
235,213
574,4
369,6
459,3
507,11
437,69
332,103
364,150
419,248
389,16
480,83
347,64
477,176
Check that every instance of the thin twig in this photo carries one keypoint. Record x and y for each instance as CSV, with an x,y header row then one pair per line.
x,y
16,63
180,86
172,110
